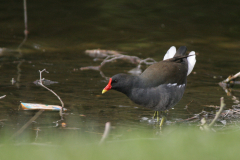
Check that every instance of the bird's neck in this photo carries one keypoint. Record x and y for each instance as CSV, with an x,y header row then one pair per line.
x,y
131,82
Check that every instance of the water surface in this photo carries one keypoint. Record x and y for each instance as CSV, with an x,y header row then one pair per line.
x,y
60,32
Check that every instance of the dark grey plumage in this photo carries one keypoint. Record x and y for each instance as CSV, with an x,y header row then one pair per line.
x,y
160,86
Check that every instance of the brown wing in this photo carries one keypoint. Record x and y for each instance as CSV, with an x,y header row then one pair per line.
x,y
173,70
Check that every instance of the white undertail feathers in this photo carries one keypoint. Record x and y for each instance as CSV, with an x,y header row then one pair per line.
x,y
191,59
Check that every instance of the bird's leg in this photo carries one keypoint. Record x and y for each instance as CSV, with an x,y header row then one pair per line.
x,y
156,113
163,118
162,121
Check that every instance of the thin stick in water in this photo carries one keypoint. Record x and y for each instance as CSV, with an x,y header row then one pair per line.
x,y
41,84
27,124
222,105
106,132
25,23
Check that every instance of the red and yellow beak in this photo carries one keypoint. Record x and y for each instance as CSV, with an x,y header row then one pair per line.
x,y
108,87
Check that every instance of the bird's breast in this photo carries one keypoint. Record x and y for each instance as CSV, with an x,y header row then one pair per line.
x,y
158,98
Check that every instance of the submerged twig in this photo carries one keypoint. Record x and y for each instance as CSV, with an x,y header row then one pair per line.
x,y
27,124
196,116
106,132
37,130
19,72
41,84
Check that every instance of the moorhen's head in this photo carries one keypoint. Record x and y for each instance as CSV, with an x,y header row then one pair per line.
x,y
120,82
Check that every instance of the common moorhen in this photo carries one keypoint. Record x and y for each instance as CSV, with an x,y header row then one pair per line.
x,y
161,85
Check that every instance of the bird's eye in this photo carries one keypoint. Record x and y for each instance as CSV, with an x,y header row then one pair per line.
x,y
114,81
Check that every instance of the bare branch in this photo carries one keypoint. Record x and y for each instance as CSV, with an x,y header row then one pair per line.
x,y
207,127
41,84
100,53
97,68
146,61
132,59
231,78
111,56
222,105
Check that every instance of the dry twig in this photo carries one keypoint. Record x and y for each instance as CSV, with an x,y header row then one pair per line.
x,y
41,84
100,53
206,126
231,78
111,56
106,132
228,83
222,105
3,96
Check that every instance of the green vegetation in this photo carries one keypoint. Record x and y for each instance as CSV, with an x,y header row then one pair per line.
x,y
174,143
